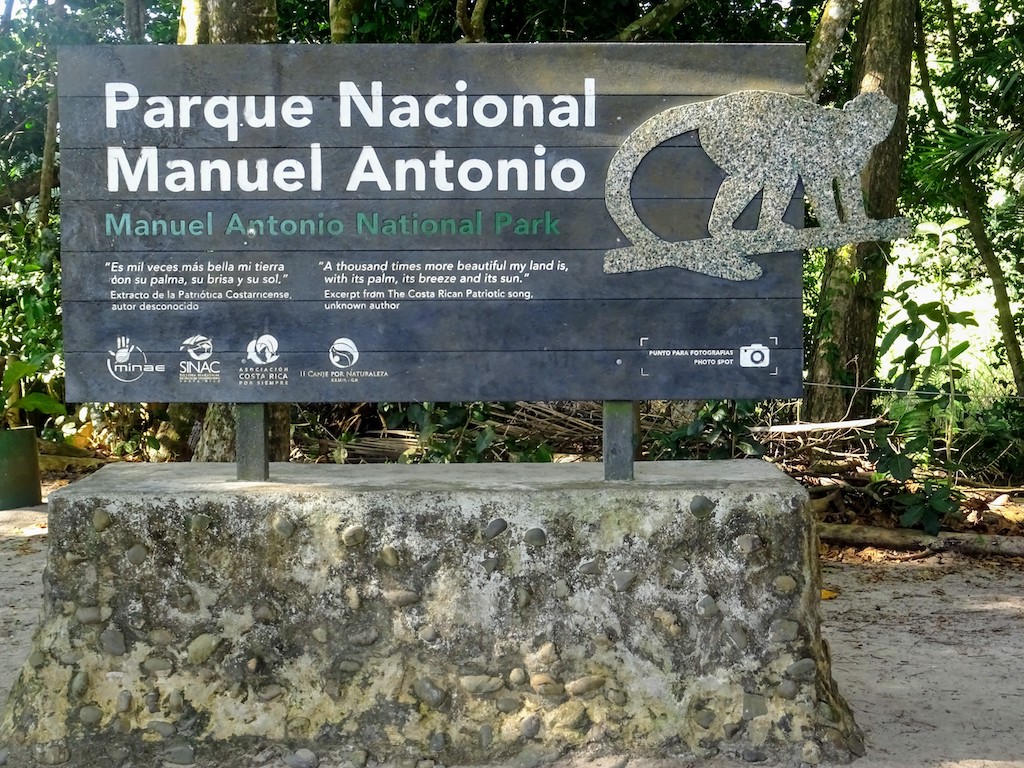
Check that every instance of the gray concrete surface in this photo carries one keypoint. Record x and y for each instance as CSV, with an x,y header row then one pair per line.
x,y
927,652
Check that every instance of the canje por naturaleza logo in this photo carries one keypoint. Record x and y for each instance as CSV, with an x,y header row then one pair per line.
x,y
262,350
343,353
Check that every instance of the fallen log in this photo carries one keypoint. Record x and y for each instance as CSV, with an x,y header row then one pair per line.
x,y
901,538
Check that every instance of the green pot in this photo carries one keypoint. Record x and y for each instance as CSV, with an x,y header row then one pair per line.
x,y
19,468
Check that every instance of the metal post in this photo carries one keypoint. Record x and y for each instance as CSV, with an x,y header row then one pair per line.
x,y
252,444
619,439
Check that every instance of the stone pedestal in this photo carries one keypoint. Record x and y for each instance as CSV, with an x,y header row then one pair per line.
x,y
465,614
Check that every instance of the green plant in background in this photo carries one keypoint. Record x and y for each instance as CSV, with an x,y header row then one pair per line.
x,y
458,433
720,430
16,395
925,421
30,329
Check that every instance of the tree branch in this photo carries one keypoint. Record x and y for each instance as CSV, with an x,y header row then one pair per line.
x,y
19,191
653,21
471,24
835,18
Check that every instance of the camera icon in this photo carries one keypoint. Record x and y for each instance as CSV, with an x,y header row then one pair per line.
x,y
755,356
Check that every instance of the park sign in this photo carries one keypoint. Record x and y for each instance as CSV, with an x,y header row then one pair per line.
x,y
469,222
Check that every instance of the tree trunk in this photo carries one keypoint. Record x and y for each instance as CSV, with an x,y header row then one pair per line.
x,y
233,21
899,538
135,20
846,349
342,24
47,172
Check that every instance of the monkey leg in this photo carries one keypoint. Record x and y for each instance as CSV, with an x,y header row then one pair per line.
x,y
733,196
820,192
851,198
774,202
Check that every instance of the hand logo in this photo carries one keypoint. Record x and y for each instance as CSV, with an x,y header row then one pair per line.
x,y
124,349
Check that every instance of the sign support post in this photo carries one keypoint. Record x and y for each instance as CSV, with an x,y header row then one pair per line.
x,y
252,448
619,439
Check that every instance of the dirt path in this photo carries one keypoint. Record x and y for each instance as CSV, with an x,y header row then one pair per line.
x,y
929,652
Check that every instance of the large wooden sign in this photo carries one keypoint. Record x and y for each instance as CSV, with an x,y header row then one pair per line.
x,y
346,223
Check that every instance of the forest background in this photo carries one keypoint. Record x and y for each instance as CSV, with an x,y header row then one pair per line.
x,y
913,411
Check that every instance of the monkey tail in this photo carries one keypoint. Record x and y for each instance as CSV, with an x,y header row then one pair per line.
x,y
662,127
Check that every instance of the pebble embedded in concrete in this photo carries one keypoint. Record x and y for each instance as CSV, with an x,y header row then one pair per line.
x,y
302,758
200,522
270,692
101,520
509,704
752,755
90,715
202,648
535,537
748,543
754,705
124,701
787,689
161,728
479,684
801,669
736,633
112,641
530,726
89,614
154,664
137,554
590,568
546,685
401,598
784,631
517,676
584,685
486,736
438,742
353,535
389,556
495,528
79,683
623,580
701,507
180,754
284,527
429,692
785,583
708,606
704,718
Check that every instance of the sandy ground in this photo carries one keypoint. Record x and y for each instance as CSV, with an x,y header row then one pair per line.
x,y
928,651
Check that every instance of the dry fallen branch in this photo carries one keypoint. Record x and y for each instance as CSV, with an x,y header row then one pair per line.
x,y
898,538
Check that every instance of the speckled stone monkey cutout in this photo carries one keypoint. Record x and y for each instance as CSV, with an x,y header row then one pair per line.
x,y
765,142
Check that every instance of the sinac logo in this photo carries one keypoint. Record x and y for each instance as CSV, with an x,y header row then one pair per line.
x,y
262,350
343,353
198,347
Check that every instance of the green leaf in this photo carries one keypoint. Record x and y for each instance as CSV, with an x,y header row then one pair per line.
x,y
912,516
15,371
901,467
39,401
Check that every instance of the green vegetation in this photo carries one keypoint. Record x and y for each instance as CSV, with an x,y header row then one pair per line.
x,y
888,334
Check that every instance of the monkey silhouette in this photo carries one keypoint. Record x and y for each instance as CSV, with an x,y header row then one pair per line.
x,y
765,142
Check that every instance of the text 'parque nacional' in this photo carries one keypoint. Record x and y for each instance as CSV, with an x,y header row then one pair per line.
x,y
153,169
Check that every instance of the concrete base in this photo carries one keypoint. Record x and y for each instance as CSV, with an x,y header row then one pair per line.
x,y
464,614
